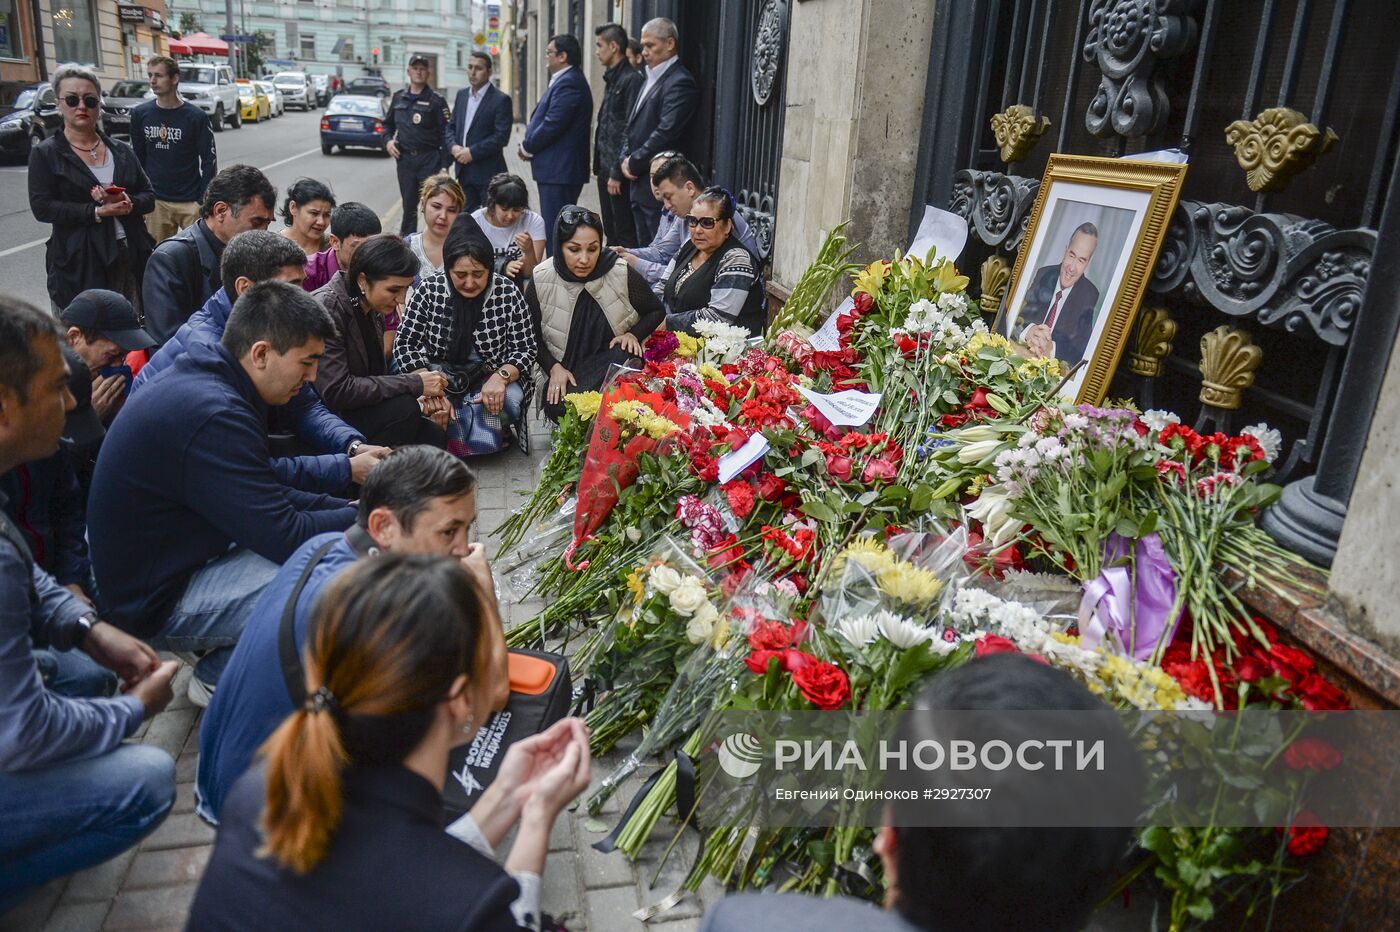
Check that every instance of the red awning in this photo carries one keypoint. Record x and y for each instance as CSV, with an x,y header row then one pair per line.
x,y
201,43
179,48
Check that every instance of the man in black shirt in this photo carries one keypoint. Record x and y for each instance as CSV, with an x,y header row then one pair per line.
x,y
622,84
184,270
174,142
419,137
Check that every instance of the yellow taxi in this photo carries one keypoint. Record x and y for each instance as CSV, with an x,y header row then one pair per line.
x,y
253,102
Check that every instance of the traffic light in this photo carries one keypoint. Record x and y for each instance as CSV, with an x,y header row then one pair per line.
x,y
374,55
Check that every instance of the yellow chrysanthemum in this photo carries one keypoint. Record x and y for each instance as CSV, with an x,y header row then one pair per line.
x,y
585,404
907,583
636,586
867,552
712,372
983,339
689,345
978,484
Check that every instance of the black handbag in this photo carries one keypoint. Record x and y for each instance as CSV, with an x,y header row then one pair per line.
x,y
537,700
463,379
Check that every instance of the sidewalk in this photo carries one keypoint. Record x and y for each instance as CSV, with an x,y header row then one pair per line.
x,y
150,887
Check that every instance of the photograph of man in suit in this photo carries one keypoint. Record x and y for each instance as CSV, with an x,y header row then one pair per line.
x,y
1057,316
481,122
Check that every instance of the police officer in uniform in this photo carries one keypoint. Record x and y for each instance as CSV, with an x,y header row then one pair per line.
x,y
419,137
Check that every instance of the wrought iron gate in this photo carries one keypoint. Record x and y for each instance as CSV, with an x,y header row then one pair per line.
x,y
751,105
1287,111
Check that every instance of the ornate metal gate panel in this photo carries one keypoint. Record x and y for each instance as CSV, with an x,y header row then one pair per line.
x,y
750,107
1256,300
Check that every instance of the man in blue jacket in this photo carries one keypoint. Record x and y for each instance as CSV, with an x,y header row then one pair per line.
x,y
481,122
72,792
556,141
421,500
187,519
659,119
259,256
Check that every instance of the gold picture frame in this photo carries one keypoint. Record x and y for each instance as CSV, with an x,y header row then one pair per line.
x,y
1098,224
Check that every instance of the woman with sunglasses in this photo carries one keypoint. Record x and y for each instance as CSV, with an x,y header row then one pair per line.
x,y
471,324
338,825
714,276
590,311
95,193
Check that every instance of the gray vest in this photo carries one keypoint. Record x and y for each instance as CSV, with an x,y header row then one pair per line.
x,y
558,297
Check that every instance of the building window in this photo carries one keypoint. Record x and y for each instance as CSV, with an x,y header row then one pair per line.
x,y
308,48
75,32
10,44
461,54
347,50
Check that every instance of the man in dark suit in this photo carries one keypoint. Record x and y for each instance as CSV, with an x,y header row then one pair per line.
x,y
1057,317
556,141
481,121
658,121
623,83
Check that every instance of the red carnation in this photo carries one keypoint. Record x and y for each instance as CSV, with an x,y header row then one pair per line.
x,y
1311,754
1253,667
741,497
789,660
1318,695
1290,663
825,685
774,635
1305,835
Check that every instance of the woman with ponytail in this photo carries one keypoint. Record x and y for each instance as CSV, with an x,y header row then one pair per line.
x,y
337,827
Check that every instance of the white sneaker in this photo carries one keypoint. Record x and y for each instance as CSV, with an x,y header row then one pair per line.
x,y
199,692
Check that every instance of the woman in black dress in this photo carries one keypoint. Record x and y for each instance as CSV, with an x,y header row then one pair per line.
x,y
338,825
590,310
713,277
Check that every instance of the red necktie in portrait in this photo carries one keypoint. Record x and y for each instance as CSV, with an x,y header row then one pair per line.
x,y
1054,310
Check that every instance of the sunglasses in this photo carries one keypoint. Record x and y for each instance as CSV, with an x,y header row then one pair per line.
x,y
88,100
575,214
704,223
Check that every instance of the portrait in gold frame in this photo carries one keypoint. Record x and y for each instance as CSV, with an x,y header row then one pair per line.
x,y
1091,243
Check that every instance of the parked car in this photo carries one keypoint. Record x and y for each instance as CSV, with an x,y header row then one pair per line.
x,y
369,84
297,88
118,103
354,120
30,117
274,96
253,102
209,86
322,83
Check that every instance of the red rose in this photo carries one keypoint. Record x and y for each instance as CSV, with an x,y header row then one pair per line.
x,y
839,467
879,469
825,685
758,660
741,498
863,303
770,487
989,644
1305,835
1290,663
818,420
1311,754
1318,695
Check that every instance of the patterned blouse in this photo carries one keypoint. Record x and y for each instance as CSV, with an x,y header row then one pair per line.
x,y
504,335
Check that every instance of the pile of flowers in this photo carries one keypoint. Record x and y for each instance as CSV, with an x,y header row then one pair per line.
x,y
725,533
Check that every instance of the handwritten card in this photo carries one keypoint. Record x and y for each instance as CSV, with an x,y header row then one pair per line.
x,y
827,339
736,461
849,408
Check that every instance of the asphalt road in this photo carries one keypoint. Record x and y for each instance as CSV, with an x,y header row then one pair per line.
x,y
285,148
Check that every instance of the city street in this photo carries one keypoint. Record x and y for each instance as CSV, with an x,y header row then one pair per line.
x,y
286,148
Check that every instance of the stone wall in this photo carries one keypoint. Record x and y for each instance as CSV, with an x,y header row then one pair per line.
x,y
1366,573
856,77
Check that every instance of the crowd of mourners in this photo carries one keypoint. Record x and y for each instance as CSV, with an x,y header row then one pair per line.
x,y
248,450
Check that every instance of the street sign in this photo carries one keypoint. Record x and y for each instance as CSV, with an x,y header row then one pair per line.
x,y
238,40
479,38
493,22
493,51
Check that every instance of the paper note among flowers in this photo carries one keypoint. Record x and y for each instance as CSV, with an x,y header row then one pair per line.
x,y
828,339
849,408
736,461
942,231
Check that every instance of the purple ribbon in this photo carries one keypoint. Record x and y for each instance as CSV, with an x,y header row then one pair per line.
x,y
1131,600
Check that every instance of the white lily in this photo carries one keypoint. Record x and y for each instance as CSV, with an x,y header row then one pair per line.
x,y
993,510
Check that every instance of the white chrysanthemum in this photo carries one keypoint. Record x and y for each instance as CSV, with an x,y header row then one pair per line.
x,y
1269,439
903,633
858,631
1158,419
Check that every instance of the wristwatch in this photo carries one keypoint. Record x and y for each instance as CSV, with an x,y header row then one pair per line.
x,y
504,373
354,447
84,628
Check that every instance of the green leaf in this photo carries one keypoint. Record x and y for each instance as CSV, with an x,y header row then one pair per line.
x,y
811,457
921,499
820,511
868,498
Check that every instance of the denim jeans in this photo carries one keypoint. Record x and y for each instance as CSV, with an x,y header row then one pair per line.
x,y
63,818
213,609
74,674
